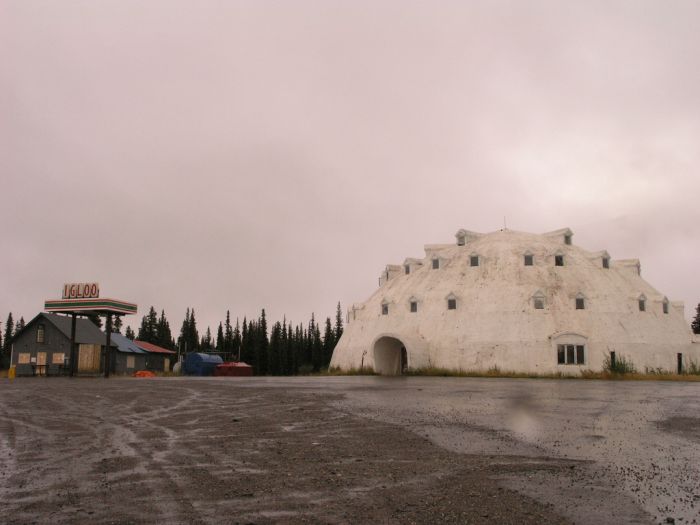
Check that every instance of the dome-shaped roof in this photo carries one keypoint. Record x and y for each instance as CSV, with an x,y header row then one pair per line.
x,y
508,299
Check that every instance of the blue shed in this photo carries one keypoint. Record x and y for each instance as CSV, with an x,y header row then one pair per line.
x,y
201,364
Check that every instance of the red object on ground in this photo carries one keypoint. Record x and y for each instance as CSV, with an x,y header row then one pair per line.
x,y
234,368
144,373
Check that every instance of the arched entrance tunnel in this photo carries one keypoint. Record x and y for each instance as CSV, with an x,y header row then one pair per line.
x,y
390,356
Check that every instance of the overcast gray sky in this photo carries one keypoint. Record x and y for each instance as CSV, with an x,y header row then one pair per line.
x,y
240,155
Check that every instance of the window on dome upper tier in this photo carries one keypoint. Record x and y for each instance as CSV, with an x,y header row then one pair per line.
x,y
385,309
642,305
414,307
436,264
539,303
558,260
452,304
665,307
580,303
407,269
474,260
529,260
606,263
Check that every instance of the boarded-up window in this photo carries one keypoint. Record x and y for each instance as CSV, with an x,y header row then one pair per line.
x,y
130,361
58,359
89,358
23,358
166,364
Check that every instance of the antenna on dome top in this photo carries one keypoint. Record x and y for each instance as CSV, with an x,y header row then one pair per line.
x,y
504,223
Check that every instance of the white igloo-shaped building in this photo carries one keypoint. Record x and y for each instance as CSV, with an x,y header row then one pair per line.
x,y
517,301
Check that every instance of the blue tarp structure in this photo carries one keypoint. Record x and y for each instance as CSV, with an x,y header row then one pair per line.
x,y
201,364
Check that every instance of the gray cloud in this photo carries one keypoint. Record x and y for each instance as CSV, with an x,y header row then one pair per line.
x,y
266,154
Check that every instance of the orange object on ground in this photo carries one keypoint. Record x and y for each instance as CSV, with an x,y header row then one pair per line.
x,y
144,373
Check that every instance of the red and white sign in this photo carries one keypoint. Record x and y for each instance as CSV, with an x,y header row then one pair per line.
x,y
81,291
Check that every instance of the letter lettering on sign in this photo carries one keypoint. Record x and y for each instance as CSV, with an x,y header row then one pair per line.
x,y
81,291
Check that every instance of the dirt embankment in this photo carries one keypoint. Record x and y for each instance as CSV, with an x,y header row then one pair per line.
x,y
187,451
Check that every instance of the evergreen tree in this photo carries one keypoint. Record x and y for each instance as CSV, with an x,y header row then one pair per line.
x,y
246,353
338,323
696,322
206,344
129,333
9,332
193,333
283,357
220,338
236,342
328,343
292,363
274,350
228,334
261,345
148,331
96,320
316,349
117,324
164,336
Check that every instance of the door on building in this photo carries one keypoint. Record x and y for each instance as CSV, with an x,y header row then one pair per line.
x,y
680,363
41,363
89,358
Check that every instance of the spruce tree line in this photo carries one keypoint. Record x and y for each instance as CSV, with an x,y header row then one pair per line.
x,y
283,349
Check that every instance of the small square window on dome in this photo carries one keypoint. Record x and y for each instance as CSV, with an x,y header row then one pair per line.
x,y
558,260
436,264
474,260
529,259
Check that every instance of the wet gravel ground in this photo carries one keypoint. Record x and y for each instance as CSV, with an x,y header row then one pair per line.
x,y
207,451
348,450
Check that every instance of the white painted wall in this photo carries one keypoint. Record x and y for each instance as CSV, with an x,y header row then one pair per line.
x,y
495,323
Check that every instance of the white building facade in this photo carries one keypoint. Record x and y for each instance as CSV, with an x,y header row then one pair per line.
x,y
517,301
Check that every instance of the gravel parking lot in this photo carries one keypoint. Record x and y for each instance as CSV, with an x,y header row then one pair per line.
x,y
348,450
